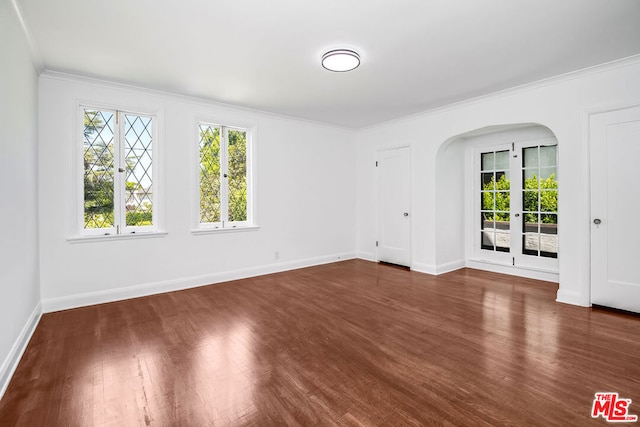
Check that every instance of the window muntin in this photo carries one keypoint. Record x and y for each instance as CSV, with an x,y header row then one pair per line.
x,y
223,178
118,172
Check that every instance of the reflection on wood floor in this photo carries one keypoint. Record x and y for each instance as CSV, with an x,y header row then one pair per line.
x,y
350,343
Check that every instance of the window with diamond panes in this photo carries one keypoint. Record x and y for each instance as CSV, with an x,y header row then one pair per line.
x,y
223,176
118,172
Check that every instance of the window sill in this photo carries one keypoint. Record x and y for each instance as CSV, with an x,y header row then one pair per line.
x,y
202,231
111,237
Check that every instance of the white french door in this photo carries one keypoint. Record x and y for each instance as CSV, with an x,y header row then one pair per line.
x,y
615,203
394,222
516,199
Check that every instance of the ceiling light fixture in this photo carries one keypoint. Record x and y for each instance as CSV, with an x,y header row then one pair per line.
x,y
340,60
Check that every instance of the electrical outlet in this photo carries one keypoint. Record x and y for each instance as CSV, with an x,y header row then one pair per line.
x,y
276,255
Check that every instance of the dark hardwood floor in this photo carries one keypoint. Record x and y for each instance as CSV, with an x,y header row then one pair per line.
x,y
351,343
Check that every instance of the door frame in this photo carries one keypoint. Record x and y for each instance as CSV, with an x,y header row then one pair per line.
x,y
515,257
532,132
377,200
587,142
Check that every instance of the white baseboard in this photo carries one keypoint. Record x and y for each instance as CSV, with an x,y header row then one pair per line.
x,y
529,273
367,256
91,298
450,266
572,298
423,268
439,268
17,350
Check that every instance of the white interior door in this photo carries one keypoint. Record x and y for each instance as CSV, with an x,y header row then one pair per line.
x,y
615,209
394,221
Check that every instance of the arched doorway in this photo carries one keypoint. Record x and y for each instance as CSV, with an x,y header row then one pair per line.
x,y
497,201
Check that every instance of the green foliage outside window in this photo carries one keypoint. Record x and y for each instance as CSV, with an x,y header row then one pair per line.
x,y
98,179
502,199
210,184
140,218
548,193
237,175
98,176
209,174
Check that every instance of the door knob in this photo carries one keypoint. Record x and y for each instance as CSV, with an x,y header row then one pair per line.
x,y
406,214
597,221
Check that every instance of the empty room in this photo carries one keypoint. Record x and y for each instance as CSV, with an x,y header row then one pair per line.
x,y
319,213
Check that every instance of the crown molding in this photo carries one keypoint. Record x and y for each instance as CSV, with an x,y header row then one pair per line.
x,y
550,81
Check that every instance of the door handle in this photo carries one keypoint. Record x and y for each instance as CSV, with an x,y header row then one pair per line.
x,y
406,214
597,221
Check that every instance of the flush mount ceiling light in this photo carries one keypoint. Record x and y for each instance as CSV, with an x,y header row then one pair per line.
x,y
340,60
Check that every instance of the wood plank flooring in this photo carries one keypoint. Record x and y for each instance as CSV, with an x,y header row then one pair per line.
x,y
350,343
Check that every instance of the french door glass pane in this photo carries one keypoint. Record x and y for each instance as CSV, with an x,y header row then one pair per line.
x,y
502,160
210,207
549,235
549,200
488,200
530,179
530,157
98,153
488,181
547,178
530,236
548,156
487,226
488,162
138,146
530,201
503,243
503,201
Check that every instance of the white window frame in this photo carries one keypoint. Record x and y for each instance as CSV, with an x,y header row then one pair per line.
x,y
120,229
224,225
514,258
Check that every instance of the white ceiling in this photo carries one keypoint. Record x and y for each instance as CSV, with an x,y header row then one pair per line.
x,y
416,54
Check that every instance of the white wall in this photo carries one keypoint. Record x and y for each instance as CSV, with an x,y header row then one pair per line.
x,y
450,196
561,104
305,201
19,288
